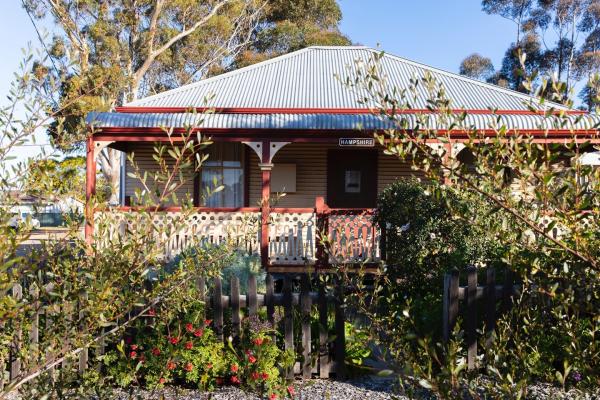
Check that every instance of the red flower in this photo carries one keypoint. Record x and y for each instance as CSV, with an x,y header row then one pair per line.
x,y
142,358
189,345
254,375
252,359
151,312
171,365
174,340
219,381
272,396
162,381
234,368
133,354
189,327
258,341
291,390
134,347
208,366
235,380
265,376
188,367
248,352
199,332
156,351
207,322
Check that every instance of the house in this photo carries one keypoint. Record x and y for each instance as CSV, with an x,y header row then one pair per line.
x,y
289,125
48,211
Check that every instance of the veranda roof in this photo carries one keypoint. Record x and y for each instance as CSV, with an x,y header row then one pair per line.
x,y
304,90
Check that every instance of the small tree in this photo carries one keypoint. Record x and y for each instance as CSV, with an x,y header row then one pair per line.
x,y
545,208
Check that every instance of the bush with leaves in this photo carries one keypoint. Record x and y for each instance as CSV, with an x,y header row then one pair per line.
x,y
173,345
540,205
430,231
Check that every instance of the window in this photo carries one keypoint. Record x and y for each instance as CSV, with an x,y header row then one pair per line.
x,y
225,166
352,181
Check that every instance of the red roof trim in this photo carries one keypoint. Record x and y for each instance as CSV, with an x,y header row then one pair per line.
x,y
129,134
232,110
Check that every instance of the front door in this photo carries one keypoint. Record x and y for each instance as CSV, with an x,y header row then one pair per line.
x,y
352,178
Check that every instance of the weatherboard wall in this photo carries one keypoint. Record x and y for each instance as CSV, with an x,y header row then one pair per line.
x,y
311,173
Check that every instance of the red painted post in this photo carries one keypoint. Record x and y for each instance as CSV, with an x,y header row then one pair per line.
x,y
322,228
90,189
265,167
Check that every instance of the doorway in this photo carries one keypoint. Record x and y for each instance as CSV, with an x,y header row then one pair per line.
x,y
351,178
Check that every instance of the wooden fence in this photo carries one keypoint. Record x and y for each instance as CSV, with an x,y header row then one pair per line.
x,y
495,297
320,355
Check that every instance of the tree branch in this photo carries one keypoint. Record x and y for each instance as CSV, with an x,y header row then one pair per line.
x,y
141,71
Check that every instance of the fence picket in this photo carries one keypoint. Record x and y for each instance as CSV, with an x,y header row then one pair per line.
x,y
323,333
340,333
34,331
270,301
288,317
201,287
15,366
490,293
450,303
235,308
218,309
252,303
306,305
471,317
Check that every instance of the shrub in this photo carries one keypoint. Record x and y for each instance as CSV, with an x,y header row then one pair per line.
x,y
174,345
429,231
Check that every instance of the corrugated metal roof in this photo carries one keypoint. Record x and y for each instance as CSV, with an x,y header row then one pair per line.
x,y
332,121
312,78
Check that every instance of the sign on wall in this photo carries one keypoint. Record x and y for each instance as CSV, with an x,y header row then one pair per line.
x,y
357,142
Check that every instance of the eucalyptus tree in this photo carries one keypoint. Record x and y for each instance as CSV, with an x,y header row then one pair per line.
x,y
557,37
477,66
290,25
121,50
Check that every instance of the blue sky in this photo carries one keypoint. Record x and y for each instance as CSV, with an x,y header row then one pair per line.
x,y
439,33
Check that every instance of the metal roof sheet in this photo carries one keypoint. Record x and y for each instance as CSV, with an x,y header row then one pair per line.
x,y
313,78
333,121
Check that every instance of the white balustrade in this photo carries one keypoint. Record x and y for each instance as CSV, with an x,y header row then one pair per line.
x,y
292,235
292,238
176,231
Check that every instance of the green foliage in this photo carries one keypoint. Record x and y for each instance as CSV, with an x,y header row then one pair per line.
x,y
533,206
50,178
357,344
429,231
292,25
175,346
171,344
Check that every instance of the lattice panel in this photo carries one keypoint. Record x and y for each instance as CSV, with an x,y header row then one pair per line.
x,y
353,238
176,231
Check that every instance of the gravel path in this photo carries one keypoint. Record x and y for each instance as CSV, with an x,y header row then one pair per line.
x,y
366,388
